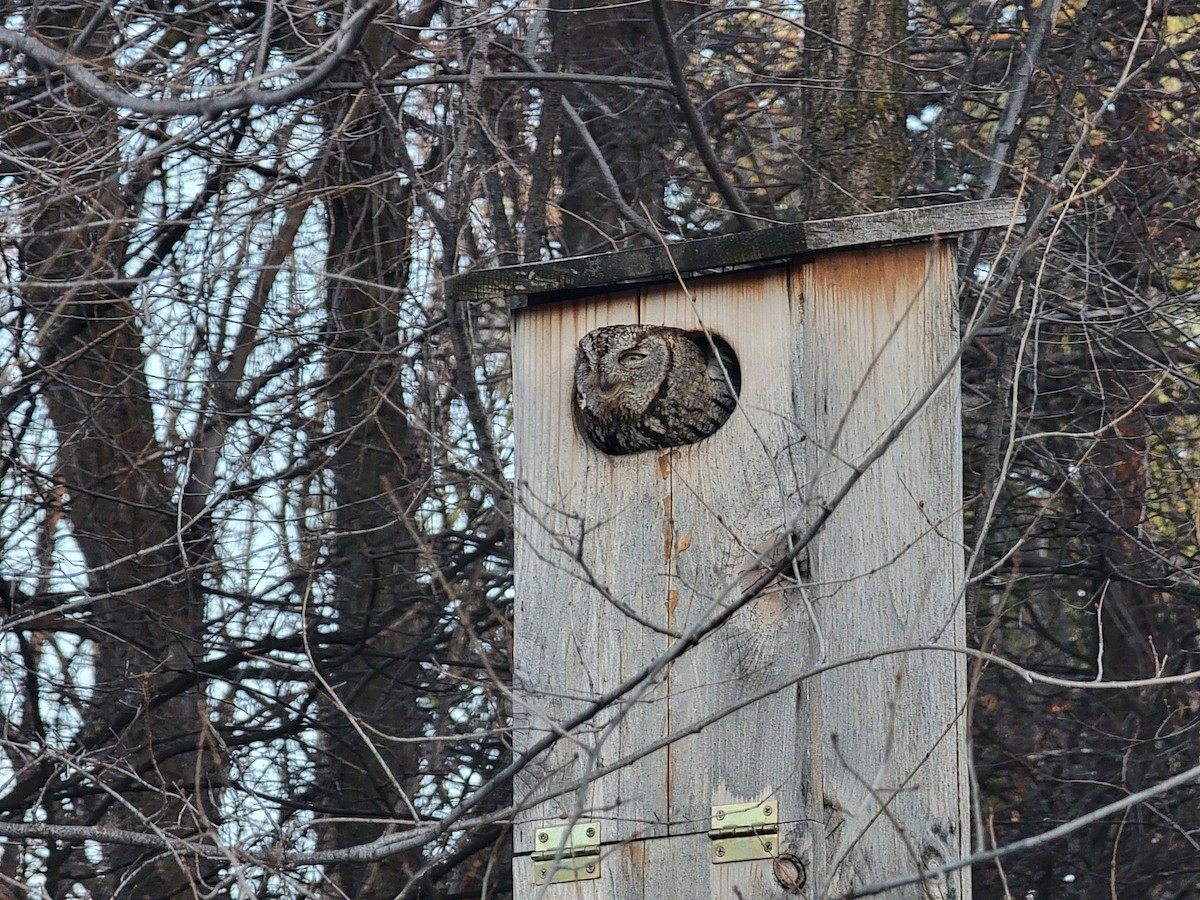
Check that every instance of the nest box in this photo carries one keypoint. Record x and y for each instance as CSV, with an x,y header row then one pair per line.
x,y
728,676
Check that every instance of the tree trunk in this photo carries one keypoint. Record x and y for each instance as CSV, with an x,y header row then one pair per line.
x,y
853,106
633,129
143,758
381,604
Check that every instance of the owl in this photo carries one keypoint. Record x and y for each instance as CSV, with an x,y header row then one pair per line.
x,y
642,387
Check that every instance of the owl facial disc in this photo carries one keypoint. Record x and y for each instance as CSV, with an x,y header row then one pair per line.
x,y
644,387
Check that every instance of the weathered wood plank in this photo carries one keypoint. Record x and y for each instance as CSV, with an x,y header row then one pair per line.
x,y
733,496
587,528
541,282
667,534
885,766
901,225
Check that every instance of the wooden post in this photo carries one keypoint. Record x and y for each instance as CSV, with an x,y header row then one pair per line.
x,y
817,708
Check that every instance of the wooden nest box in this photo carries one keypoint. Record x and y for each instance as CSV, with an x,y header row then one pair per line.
x,y
727,651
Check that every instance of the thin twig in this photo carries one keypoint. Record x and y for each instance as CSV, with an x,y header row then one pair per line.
x,y
745,218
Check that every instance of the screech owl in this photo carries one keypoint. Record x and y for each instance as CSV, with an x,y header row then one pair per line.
x,y
642,387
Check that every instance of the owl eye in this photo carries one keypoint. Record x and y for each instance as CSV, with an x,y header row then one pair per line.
x,y
631,357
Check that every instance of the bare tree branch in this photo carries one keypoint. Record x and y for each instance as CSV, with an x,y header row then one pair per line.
x,y
700,138
334,51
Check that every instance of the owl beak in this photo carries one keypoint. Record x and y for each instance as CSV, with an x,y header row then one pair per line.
x,y
606,382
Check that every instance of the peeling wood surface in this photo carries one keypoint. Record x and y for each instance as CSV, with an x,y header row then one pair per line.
x,y
618,556
546,282
886,740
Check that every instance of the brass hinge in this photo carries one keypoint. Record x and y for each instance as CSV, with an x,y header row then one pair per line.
x,y
567,853
743,831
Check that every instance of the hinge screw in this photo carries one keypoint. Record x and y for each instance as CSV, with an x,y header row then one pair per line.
x,y
543,837
591,867
720,851
590,832
720,813
766,810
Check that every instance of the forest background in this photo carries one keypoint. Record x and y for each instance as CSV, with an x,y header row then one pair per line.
x,y
255,520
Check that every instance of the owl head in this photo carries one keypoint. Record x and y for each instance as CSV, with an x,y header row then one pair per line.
x,y
619,369
641,387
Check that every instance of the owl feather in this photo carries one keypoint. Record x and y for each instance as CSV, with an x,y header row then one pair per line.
x,y
644,387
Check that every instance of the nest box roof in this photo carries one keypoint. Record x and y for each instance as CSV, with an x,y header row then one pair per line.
x,y
548,281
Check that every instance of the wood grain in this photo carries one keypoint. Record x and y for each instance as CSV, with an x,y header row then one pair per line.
x,y
618,558
886,754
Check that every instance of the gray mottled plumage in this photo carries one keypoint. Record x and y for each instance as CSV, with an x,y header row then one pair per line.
x,y
641,387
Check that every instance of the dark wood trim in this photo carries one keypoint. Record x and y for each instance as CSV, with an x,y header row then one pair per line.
x,y
547,281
